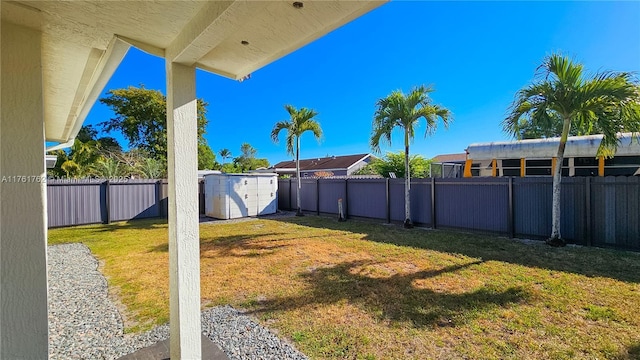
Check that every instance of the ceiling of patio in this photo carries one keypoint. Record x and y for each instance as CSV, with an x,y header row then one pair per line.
x,y
83,41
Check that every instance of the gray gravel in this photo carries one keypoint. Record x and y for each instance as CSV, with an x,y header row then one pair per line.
x,y
85,324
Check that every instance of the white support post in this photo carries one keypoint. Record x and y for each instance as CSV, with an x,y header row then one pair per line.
x,y
184,239
23,216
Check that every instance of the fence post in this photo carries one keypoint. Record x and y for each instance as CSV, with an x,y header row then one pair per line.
x,y
510,210
587,225
106,201
433,203
290,207
317,196
346,198
165,209
159,197
388,200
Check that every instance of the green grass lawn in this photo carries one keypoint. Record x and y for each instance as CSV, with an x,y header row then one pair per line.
x,y
363,290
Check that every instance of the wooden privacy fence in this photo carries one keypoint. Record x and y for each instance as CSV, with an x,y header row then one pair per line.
x,y
602,211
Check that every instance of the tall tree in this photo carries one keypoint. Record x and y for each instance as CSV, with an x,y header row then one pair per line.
x,y
247,160
141,116
608,102
299,122
109,168
394,163
80,159
405,111
528,128
224,154
86,151
206,158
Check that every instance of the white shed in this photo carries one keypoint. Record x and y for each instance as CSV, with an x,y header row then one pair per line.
x,y
230,196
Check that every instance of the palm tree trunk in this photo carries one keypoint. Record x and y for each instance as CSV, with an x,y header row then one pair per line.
x,y
298,211
556,239
407,183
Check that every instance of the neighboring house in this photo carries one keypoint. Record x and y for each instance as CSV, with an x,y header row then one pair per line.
x,y
324,167
56,59
448,165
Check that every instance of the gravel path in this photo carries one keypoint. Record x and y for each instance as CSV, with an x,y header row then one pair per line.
x,y
85,324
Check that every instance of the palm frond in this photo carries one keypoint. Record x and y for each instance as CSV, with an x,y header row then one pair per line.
x,y
405,111
279,126
299,121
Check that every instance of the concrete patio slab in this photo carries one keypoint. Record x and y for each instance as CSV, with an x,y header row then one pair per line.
x,y
160,351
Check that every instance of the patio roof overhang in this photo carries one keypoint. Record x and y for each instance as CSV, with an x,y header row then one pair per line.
x,y
84,41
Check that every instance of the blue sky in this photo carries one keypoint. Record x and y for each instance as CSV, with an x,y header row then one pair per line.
x,y
477,55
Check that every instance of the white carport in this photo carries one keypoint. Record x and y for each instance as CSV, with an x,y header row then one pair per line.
x,y
56,58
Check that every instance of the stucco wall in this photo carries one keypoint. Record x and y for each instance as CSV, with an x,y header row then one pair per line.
x,y
23,234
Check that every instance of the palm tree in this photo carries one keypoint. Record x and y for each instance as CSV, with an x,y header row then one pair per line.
x,y
224,154
108,168
404,111
151,168
609,102
299,122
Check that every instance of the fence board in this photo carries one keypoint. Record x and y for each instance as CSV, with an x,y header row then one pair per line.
x,y
367,198
283,194
420,201
475,204
532,208
396,198
75,202
134,199
308,198
616,216
330,191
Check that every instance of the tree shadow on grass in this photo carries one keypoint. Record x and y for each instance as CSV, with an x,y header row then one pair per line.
x,y
592,262
242,245
136,224
632,353
395,298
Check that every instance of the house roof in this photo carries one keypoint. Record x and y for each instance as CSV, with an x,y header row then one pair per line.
x,y
325,163
444,158
83,42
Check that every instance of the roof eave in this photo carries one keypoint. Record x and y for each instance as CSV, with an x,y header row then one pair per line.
x,y
95,77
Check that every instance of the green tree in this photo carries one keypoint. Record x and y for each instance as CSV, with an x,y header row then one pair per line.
x,y
247,160
150,168
230,168
405,111
224,154
106,144
608,102
82,157
206,158
57,171
528,128
109,168
299,122
87,133
394,163
141,116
